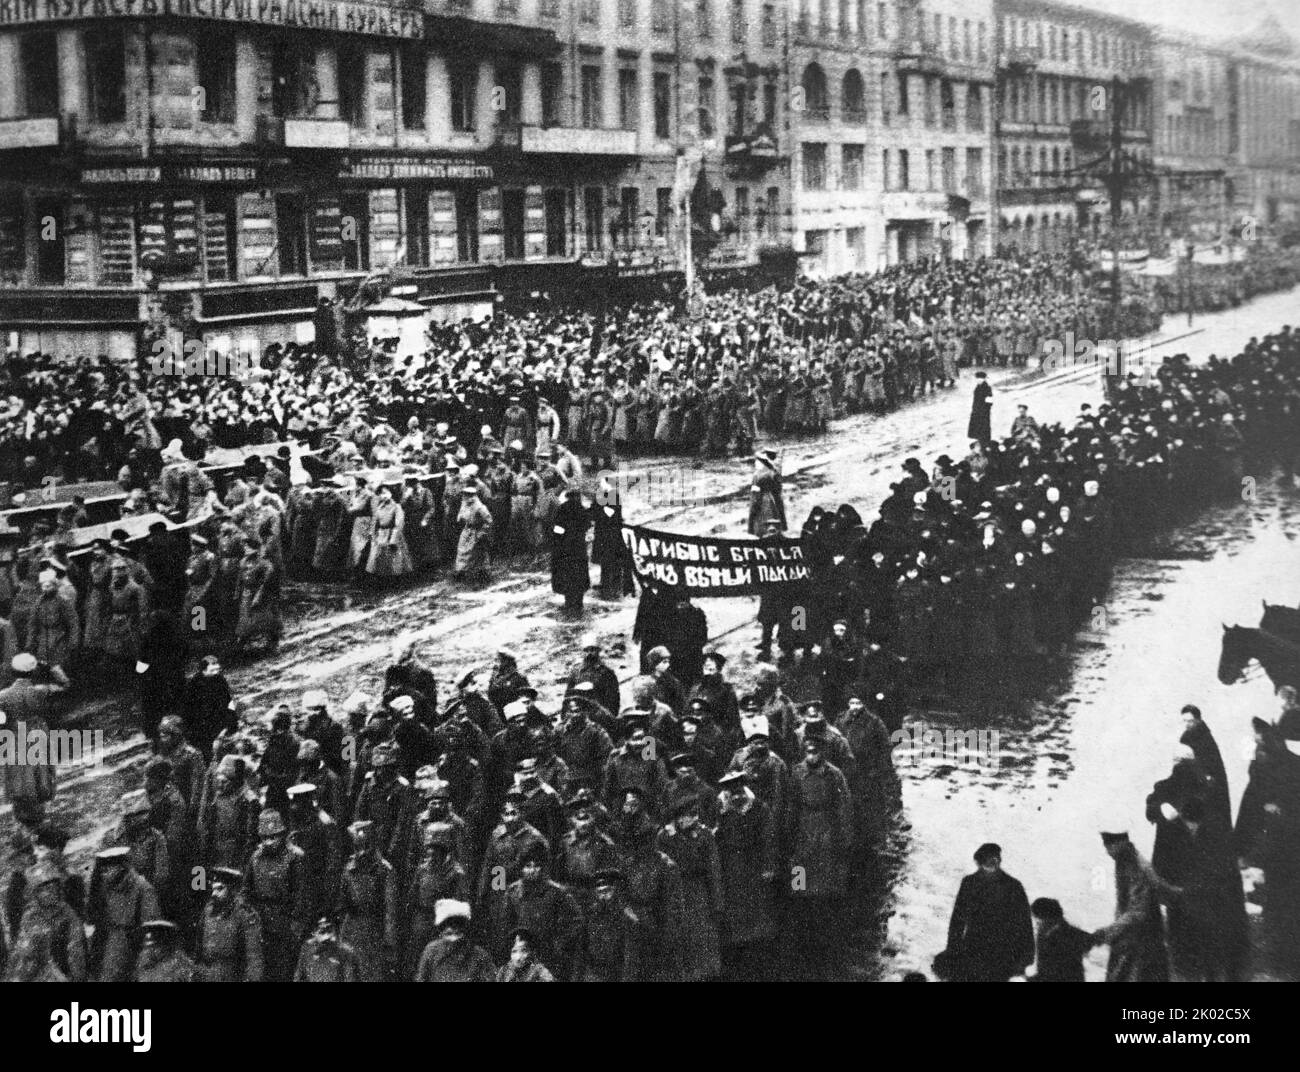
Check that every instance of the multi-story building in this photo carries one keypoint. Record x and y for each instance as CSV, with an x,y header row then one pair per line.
x,y
1191,137
223,165
836,188
1061,71
893,131
1263,105
935,83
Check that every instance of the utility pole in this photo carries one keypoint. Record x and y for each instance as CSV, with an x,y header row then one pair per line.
x,y
1115,186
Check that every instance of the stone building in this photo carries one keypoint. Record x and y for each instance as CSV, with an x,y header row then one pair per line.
x,y
223,164
1061,71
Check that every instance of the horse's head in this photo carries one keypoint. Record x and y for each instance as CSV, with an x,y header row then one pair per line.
x,y
1281,621
1234,654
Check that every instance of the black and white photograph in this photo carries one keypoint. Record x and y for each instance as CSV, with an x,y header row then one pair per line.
x,y
650,491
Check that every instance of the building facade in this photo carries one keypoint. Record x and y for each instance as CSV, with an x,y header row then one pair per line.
x,y
1191,138
222,164
892,132
1061,72
936,82
1263,104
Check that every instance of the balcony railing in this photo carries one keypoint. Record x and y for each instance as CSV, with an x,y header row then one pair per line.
x,y
820,113
855,116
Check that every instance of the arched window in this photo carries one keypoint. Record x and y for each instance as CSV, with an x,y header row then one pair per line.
x,y
1056,165
816,100
853,97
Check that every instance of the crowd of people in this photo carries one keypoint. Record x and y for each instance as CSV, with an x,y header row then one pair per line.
x,y
681,828
1181,915
972,571
640,832
648,377
451,463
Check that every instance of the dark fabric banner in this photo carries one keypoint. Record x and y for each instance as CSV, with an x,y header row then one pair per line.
x,y
714,565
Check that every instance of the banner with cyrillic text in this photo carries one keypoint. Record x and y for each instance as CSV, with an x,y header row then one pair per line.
x,y
714,565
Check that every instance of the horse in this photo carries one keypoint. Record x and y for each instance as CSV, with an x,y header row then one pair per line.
x,y
1279,657
1281,621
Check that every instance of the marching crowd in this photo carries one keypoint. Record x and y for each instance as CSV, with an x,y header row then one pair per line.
x,y
644,378
635,834
673,828
679,828
465,459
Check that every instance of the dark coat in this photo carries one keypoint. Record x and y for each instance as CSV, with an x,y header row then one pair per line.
x,y
1060,954
1203,745
990,932
206,710
981,414
747,851
570,574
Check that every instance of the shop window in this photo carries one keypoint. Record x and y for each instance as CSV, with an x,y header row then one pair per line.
x,y
51,264
291,233
354,230
629,213
512,223
416,205
594,214
106,69
556,223
220,244
39,80
467,225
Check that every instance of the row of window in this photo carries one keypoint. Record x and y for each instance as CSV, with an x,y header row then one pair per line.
x,y
627,15
1198,133
295,234
1062,100
938,98
1021,167
38,68
964,40
821,172
295,87
1060,43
